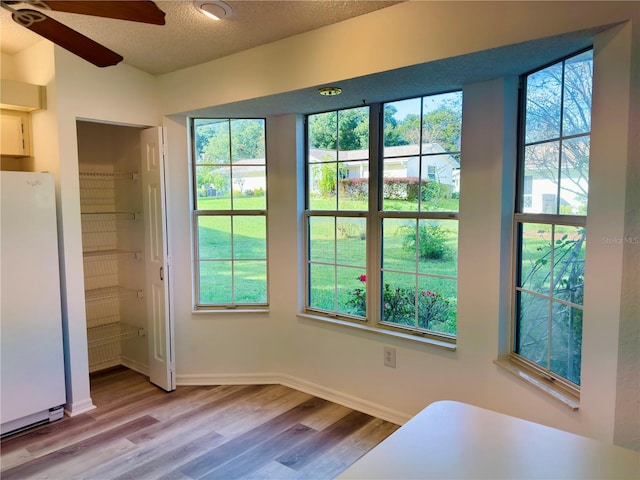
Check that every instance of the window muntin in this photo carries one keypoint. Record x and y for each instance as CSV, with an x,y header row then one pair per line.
x,y
551,218
337,201
417,189
420,203
230,212
421,154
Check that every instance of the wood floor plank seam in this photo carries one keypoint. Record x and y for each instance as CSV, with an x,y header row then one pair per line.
x,y
249,440
148,461
303,454
242,465
217,431
97,441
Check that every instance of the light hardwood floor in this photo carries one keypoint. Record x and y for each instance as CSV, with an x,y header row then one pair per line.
x,y
138,431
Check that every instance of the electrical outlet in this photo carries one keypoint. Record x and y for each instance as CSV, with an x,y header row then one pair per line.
x,y
390,357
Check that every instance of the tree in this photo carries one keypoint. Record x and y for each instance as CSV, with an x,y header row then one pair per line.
x,y
442,126
343,130
242,139
558,106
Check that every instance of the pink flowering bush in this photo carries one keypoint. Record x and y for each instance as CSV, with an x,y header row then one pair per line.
x,y
435,312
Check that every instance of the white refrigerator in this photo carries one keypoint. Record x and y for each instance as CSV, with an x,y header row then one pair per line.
x,y
32,381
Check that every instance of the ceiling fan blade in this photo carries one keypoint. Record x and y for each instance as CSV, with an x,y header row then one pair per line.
x,y
145,11
66,37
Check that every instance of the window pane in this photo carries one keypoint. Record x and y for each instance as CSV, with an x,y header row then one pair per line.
x,y
214,237
440,184
322,186
215,282
568,272
566,342
541,164
402,127
351,242
353,192
400,191
533,328
250,237
323,132
398,299
249,187
544,93
353,133
437,304
320,155
442,123
250,281
213,188
247,141
398,244
356,298
211,141
322,287
322,239
574,177
535,257
348,287
437,246
578,76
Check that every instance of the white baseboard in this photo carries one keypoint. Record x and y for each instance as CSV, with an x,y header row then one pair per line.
x,y
355,403
229,379
134,365
76,408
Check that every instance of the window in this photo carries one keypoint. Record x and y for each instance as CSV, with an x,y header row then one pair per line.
x,y
230,212
394,217
419,215
550,218
337,204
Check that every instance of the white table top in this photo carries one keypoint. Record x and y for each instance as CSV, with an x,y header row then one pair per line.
x,y
450,440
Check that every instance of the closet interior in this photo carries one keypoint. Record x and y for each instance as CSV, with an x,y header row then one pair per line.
x,y
112,244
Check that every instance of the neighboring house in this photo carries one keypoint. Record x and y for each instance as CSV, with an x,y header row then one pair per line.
x,y
540,195
248,176
399,162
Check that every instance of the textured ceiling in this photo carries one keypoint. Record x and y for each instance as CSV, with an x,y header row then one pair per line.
x,y
190,38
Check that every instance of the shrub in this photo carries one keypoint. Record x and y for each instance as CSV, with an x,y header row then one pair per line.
x,y
432,241
435,312
355,188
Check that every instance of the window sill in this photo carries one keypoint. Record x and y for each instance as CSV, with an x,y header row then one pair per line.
x,y
226,311
380,331
540,382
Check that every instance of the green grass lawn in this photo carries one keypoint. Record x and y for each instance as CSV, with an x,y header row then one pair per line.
x,y
346,247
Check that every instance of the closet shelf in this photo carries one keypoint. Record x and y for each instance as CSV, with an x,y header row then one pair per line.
x,y
105,176
101,255
110,293
112,333
101,216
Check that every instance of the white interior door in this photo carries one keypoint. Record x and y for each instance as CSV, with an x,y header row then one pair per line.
x,y
160,322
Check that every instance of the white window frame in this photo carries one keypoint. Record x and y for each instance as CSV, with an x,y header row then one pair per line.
x,y
197,214
374,218
522,218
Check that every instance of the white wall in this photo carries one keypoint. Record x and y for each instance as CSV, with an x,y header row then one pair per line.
x,y
346,364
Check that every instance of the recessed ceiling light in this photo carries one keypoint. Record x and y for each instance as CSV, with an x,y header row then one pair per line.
x,y
330,91
214,9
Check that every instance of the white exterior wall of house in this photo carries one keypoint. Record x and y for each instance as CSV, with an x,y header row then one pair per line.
x,y
344,364
397,163
544,193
